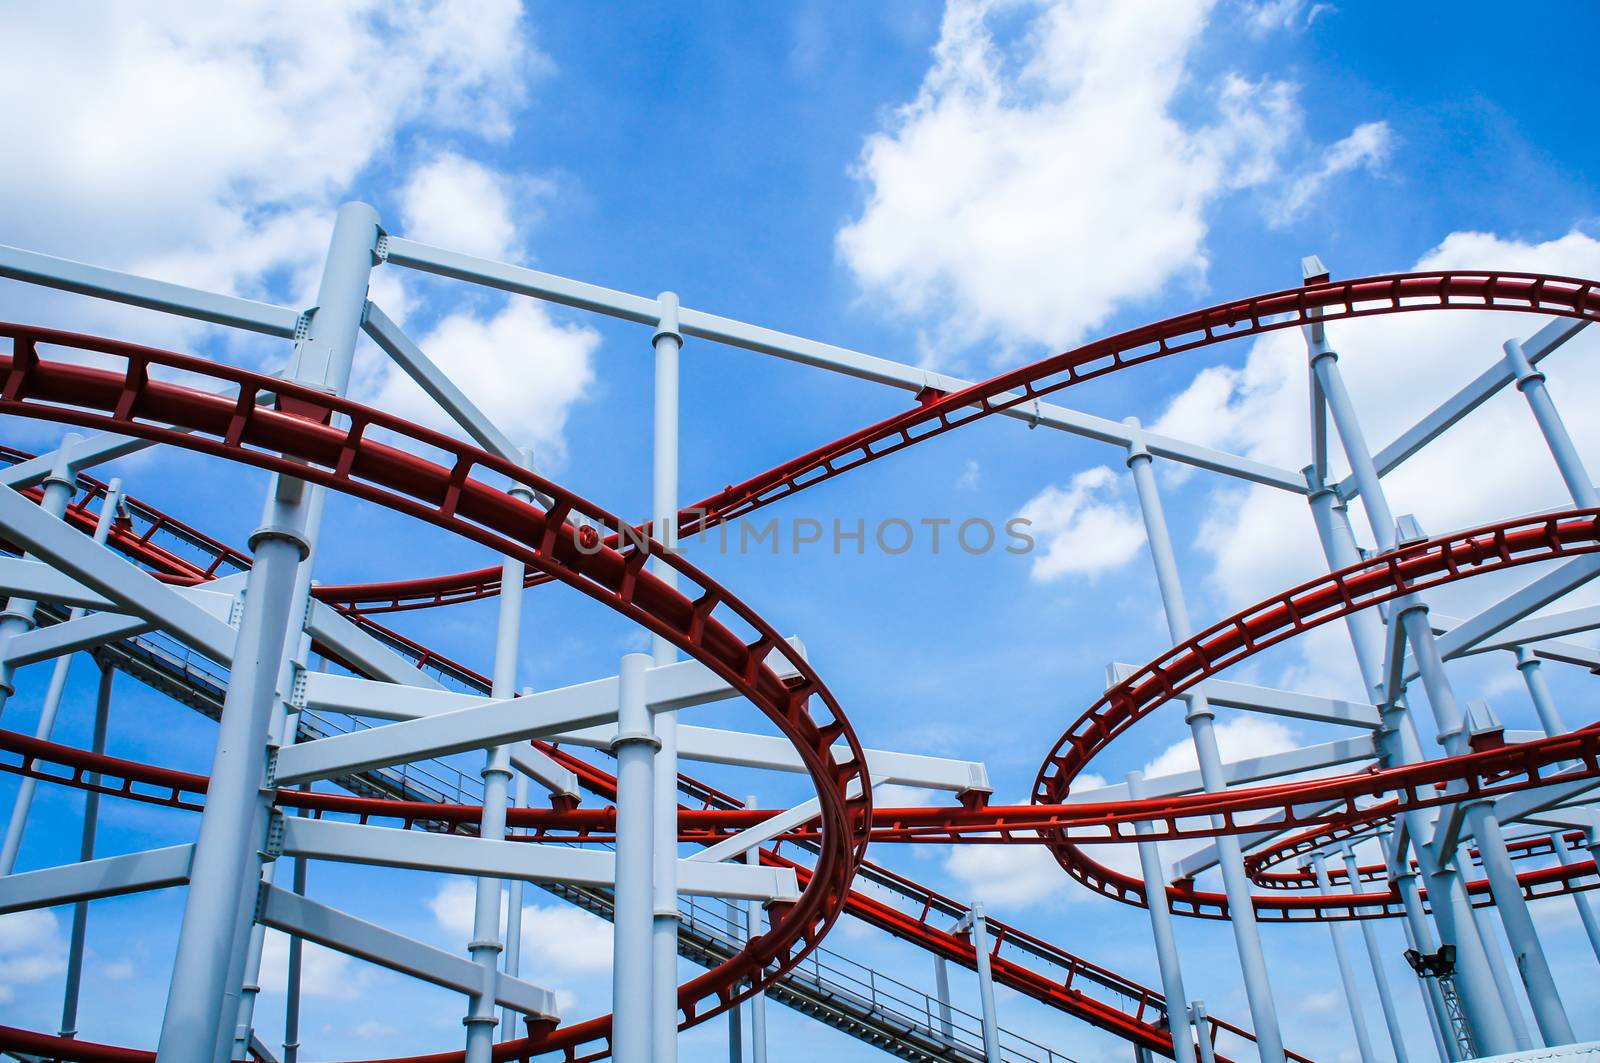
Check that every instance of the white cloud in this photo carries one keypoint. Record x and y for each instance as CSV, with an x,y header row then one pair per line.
x,y
1241,737
208,144
1491,466
1041,181
31,950
460,204
1009,874
1084,528
1270,15
1367,147
560,938
324,972
520,366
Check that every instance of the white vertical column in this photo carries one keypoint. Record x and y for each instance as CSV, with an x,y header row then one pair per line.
x,y
515,891
1497,967
1347,974
227,856
1202,1027
91,819
481,1019
668,341
757,1004
1380,977
1531,383
941,981
980,947
1487,1018
1241,908
1155,901
632,966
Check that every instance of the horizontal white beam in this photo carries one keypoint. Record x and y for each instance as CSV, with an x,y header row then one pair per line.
x,y
366,653
1276,702
486,723
83,454
110,876
699,324
361,843
716,746
297,915
66,275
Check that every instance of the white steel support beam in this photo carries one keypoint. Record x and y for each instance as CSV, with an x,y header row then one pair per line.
x,y
696,323
291,913
715,746
488,723
1274,702
131,588
31,267
1520,603
438,385
1480,390
87,632
110,876
365,652
359,843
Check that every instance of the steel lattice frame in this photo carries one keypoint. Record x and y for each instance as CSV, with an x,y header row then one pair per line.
x,y
126,579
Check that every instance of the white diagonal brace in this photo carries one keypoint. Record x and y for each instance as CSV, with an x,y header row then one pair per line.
x,y
530,861
28,578
1527,599
1536,629
132,589
698,323
420,368
1482,388
742,842
110,876
70,636
292,913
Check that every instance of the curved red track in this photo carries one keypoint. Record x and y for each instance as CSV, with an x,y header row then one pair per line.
x,y
302,428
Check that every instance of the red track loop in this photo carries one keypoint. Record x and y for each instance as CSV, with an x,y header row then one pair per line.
x,y
302,438
1378,579
1328,301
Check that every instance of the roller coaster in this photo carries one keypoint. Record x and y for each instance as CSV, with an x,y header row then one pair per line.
x,y
333,731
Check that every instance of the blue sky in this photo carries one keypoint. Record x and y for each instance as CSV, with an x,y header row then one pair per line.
x,y
970,189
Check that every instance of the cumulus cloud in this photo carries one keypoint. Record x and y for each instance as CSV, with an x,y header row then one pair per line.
x,y
1241,737
1009,874
1042,180
1367,147
462,204
324,972
31,950
207,144
559,938
1488,467
1084,528
520,366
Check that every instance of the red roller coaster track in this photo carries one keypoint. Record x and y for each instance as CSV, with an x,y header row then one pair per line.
x,y
299,437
